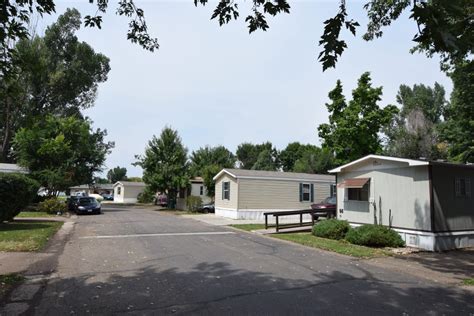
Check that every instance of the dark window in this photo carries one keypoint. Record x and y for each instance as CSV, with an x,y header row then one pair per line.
x,y
226,190
306,195
358,194
201,190
463,187
119,190
333,189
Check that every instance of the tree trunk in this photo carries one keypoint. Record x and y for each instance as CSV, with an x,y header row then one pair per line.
x,y
6,131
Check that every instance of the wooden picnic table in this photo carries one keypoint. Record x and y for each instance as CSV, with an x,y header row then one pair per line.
x,y
288,213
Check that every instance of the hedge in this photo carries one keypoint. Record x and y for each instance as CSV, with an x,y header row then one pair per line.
x,y
374,236
331,229
52,206
17,191
193,203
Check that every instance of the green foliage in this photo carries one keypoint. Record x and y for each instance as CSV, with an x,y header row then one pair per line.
x,y
117,174
53,75
164,164
413,133
134,179
315,160
147,196
17,191
61,152
331,228
458,130
52,206
206,162
353,129
193,203
258,157
374,236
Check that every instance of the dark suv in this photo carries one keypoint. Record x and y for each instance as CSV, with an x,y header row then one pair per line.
x,y
84,205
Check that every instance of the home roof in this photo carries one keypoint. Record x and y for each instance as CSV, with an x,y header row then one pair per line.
x,y
11,167
408,162
274,175
197,179
130,184
103,186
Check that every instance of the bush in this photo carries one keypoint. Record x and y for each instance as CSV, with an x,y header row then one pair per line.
x,y
331,229
147,196
17,191
52,206
193,203
374,236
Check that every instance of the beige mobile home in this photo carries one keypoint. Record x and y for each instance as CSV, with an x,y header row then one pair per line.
x,y
127,192
429,203
247,194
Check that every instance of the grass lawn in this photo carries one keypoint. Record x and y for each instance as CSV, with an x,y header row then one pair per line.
x,y
26,236
307,239
35,214
469,282
7,281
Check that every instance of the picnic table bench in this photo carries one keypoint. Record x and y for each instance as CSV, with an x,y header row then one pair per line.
x,y
278,225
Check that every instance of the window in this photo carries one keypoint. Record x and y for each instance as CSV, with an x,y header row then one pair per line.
x,y
201,190
358,194
332,190
306,192
119,190
226,190
462,187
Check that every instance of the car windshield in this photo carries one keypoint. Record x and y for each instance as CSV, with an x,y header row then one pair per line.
x,y
331,200
87,201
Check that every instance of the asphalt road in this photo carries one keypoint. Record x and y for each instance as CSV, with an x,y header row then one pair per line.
x,y
143,262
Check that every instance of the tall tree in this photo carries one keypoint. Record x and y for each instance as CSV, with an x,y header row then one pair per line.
x,y
164,164
458,130
61,152
248,154
353,129
314,160
55,74
413,132
117,174
206,156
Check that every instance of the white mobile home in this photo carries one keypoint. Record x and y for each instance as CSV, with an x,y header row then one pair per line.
x,y
195,188
247,194
127,192
429,203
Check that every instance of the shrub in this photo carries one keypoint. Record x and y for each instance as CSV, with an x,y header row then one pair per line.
x,y
147,196
331,228
193,203
52,206
17,191
374,236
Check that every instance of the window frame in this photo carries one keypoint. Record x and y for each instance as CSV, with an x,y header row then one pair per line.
x,y
461,183
226,191
359,192
303,192
201,190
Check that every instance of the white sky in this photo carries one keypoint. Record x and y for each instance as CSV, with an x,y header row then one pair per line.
x,y
222,86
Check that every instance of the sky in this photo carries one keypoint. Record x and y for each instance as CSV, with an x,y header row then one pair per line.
x,y
221,86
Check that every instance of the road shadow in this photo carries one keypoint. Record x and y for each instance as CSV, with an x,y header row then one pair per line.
x,y
24,224
216,288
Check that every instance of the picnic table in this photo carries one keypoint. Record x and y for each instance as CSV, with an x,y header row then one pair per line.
x,y
277,215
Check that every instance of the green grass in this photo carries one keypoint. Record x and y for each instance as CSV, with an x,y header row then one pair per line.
x,y
307,239
34,214
340,246
249,227
468,282
7,281
26,236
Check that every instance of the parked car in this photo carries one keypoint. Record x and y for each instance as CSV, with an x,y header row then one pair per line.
x,y
107,197
84,205
161,200
326,208
207,208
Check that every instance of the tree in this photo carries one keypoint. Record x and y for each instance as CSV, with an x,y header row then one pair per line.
x,y
444,27
117,174
314,160
61,152
248,154
164,164
207,162
413,133
458,130
305,155
206,156
55,74
134,179
353,129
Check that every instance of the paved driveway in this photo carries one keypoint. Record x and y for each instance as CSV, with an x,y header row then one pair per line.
x,y
142,262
